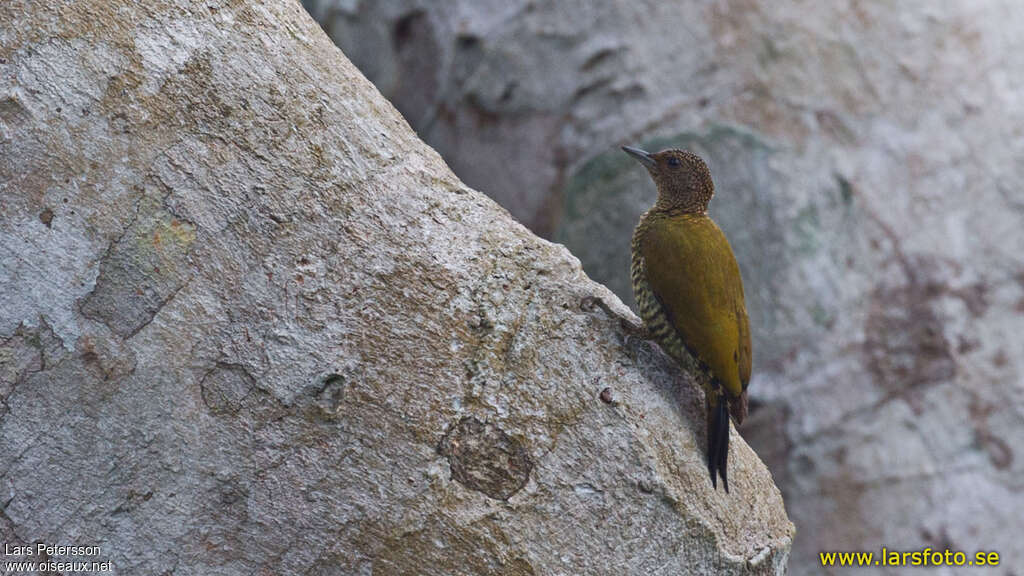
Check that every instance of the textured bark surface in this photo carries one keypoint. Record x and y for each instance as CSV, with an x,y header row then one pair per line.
x,y
250,323
869,162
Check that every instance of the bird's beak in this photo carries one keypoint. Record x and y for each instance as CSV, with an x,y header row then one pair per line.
x,y
645,158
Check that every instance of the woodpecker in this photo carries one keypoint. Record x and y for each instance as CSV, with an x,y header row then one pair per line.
x,y
689,291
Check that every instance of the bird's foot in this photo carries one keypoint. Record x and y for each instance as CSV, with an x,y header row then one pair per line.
x,y
631,327
636,330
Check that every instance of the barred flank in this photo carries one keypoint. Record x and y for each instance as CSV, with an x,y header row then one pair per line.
x,y
651,310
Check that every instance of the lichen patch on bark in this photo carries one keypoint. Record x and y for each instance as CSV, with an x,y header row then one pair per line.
x,y
485,458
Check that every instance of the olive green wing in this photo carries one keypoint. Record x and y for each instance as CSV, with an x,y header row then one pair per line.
x,y
746,356
693,273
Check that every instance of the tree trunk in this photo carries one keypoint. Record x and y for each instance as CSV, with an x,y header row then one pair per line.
x,y
250,323
868,160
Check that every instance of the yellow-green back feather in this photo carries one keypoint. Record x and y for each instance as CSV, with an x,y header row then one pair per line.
x,y
691,269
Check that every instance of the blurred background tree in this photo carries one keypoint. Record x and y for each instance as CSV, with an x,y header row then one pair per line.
x,y
869,162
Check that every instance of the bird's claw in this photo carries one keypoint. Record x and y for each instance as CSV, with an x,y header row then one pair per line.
x,y
632,328
636,330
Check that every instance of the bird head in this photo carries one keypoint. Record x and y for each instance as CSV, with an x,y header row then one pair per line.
x,y
683,179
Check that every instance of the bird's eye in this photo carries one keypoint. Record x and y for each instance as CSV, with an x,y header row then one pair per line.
x,y
673,161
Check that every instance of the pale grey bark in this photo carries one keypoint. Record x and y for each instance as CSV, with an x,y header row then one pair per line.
x,y
250,323
869,166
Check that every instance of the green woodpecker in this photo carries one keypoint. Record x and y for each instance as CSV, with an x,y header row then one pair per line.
x,y
689,291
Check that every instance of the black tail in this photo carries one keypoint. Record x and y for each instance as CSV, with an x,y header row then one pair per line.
x,y
718,441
